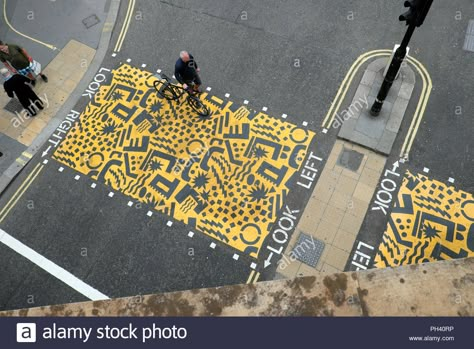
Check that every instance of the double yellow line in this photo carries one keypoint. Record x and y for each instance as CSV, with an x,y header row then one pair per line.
x,y
126,24
21,190
26,36
253,277
421,107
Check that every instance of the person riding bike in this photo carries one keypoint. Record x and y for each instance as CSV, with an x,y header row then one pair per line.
x,y
186,72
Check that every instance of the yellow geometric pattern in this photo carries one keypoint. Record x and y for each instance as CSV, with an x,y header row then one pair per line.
x,y
226,176
430,221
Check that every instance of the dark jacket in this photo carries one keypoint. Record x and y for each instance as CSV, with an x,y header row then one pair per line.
x,y
185,72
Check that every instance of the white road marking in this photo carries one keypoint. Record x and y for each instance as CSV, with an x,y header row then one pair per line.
x,y
208,89
284,116
111,195
114,54
61,169
213,245
264,108
227,95
45,161
149,214
130,204
325,130
93,185
236,256
246,102
190,234
305,123
426,170
143,65
253,265
169,224
51,268
451,180
129,60
77,177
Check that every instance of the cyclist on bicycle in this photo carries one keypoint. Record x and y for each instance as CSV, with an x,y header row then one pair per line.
x,y
186,72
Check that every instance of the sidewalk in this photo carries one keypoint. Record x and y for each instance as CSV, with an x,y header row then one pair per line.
x,y
18,130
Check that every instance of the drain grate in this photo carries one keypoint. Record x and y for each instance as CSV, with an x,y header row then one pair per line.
x,y
350,159
91,21
469,41
13,106
308,249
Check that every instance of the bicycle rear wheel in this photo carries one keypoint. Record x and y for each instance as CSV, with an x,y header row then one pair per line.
x,y
199,107
166,90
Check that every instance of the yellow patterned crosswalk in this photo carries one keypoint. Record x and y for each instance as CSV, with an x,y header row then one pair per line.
x,y
430,221
226,176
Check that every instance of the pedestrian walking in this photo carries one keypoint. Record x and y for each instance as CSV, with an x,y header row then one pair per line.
x,y
186,71
17,84
17,60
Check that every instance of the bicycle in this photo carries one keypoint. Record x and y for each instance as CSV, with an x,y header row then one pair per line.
x,y
167,90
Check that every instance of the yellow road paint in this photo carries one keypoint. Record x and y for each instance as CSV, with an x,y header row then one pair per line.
x,y
252,273
27,155
423,100
21,161
21,190
430,221
126,24
16,31
253,277
346,83
421,107
226,176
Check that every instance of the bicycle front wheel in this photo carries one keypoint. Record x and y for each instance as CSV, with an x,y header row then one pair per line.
x,y
165,90
199,107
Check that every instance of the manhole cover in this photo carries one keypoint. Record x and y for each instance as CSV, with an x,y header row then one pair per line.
x,y
350,159
469,41
91,21
308,249
13,106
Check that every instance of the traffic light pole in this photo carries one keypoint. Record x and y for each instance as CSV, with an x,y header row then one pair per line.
x,y
393,70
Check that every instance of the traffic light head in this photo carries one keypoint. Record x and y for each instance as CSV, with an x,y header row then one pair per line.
x,y
417,11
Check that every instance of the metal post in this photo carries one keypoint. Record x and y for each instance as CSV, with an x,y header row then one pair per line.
x,y
392,73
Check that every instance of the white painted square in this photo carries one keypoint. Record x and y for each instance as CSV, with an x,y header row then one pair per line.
x,y
325,130
284,116
227,95
236,256
93,185
190,234
169,224
264,108
130,204
158,71
246,102
45,161
129,60
111,195
114,54
77,177
143,65
149,213
253,265
174,77
426,170
208,89
25,332
305,123
451,180
61,169
213,245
